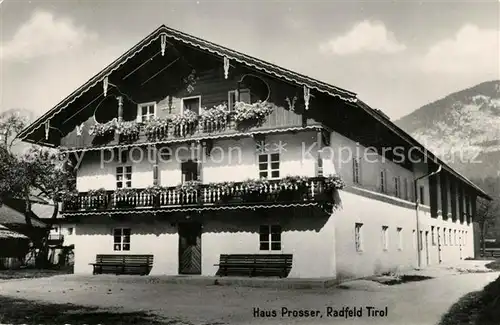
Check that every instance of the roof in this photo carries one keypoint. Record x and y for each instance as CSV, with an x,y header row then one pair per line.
x,y
6,233
10,216
408,138
251,62
213,48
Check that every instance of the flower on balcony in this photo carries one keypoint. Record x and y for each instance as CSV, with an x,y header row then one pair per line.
x,y
215,114
68,196
189,187
125,192
128,128
154,190
98,192
293,182
156,126
224,187
254,185
255,113
104,129
334,182
188,117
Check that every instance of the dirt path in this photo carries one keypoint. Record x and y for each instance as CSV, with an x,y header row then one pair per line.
x,y
410,303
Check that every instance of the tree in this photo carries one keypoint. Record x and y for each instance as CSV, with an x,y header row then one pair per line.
x,y
486,215
488,212
37,171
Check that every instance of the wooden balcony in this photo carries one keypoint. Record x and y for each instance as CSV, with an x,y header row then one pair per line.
x,y
271,192
279,119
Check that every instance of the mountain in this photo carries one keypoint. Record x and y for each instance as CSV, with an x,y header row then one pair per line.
x,y
462,128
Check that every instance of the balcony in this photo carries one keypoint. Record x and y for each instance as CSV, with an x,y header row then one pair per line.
x,y
284,191
211,123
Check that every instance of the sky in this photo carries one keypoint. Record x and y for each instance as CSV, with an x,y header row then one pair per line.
x,y
396,55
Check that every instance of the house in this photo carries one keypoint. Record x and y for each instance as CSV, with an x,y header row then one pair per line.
x,y
16,234
60,238
186,150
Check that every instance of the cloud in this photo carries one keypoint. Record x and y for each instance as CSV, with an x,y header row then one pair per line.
x,y
44,35
366,36
471,50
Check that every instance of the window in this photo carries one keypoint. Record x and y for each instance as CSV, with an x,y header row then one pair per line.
x,y
357,237
421,243
233,97
406,189
121,239
70,231
55,229
383,181
414,238
397,186
146,111
449,237
455,237
465,238
400,238
269,165
270,238
123,176
433,239
189,171
355,170
445,242
422,201
192,104
438,235
385,237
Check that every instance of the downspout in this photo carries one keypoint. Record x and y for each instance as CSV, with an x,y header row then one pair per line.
x,y
417,207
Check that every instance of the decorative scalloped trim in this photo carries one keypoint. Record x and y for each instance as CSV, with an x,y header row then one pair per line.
x,y
218,136
208,208
184,39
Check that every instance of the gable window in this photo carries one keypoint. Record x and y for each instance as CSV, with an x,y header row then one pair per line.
x,y
422,201
385,238
383,181
123,176
233,97
356,171
191,104
189,171
357,237
397,186
146,111
270,238
400,238
121,239
269,165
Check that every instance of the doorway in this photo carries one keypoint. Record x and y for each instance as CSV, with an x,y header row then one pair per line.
x,y
189,248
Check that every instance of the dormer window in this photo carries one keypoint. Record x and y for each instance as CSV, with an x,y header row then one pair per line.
x,y
233,97
191,104
146,111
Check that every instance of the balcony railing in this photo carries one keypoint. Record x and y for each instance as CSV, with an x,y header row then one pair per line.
x,y
313,189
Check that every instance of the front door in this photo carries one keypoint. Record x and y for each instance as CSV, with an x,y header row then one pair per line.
x,y
189,248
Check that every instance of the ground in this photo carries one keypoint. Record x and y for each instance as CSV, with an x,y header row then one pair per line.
x,y
413,303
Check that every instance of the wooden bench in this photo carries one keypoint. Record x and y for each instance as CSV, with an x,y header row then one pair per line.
x,y
123,264
255,264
